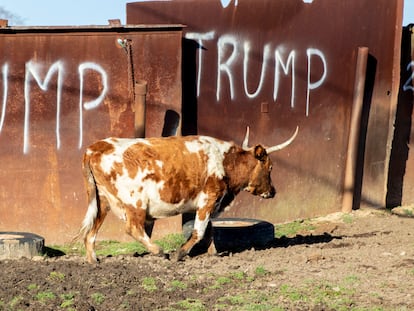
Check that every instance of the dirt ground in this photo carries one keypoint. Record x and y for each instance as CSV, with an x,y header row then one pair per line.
x,y
362,261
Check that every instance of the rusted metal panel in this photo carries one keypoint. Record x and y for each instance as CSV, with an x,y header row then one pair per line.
x,y
62,89
401,182
274,65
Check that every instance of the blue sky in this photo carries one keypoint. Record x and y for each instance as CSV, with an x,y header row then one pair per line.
x,y
90,12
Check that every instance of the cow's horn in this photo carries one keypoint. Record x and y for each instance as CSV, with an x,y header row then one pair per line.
x,y
245,145
283,145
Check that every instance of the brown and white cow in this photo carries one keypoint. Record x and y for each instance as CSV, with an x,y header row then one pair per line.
x,y
144,179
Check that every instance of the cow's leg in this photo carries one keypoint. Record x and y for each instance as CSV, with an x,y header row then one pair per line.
x,y
200,225
135,227
90,236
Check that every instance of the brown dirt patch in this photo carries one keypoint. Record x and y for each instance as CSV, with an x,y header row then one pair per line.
x,y
366,263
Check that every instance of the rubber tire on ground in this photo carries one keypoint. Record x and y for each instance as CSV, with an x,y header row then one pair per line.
x,y
251,233
15,245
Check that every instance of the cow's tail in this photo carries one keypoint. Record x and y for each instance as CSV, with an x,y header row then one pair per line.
x,y
92,212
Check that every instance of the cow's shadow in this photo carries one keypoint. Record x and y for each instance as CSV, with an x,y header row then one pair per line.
x,y
227,248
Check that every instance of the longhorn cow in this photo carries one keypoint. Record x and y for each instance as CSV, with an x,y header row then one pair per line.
x,y
144,179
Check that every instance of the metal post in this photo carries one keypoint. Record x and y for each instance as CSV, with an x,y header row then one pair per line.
x,y
140,96
354,131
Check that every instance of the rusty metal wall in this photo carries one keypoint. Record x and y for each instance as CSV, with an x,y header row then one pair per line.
x,y
277,64
401,181
62,89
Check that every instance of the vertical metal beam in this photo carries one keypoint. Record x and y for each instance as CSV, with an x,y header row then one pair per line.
x,y
140,95
354,131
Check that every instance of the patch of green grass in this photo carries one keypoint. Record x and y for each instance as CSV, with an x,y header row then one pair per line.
x,y
291,229
348,218
260,271
68,300
171,242
32,287
177,285
251,300
239,275
66,249
190,304
220,281
408,212
114,248
149,284
98,298
56,276
15,301
292,293
45,296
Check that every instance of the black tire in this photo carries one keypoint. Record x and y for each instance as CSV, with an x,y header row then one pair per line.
x,y
235,234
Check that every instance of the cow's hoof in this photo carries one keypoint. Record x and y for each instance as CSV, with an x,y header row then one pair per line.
x,y
94,262
179,255
163,255
212,251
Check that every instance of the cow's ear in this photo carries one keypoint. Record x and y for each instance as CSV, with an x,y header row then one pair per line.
x,y
259,152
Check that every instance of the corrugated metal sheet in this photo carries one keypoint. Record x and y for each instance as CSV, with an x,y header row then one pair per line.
x,y
274,65
62,89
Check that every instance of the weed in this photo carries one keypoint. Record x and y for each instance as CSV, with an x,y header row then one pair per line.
x,y
32,287
351,279
98,298
45,296
239,275
56,276
220,281
191,304
175,285
149,284
223,280
408,212
254,300
348,218
260,271
291,293
15,301
234,300
68,300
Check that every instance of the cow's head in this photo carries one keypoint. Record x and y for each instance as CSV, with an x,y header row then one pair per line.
x,y
260,182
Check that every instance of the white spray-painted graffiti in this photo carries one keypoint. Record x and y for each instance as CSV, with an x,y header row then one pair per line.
x,y
229,45
226,3
33,71
408,86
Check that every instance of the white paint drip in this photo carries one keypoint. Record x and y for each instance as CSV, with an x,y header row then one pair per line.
x,y
5,73
408,85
